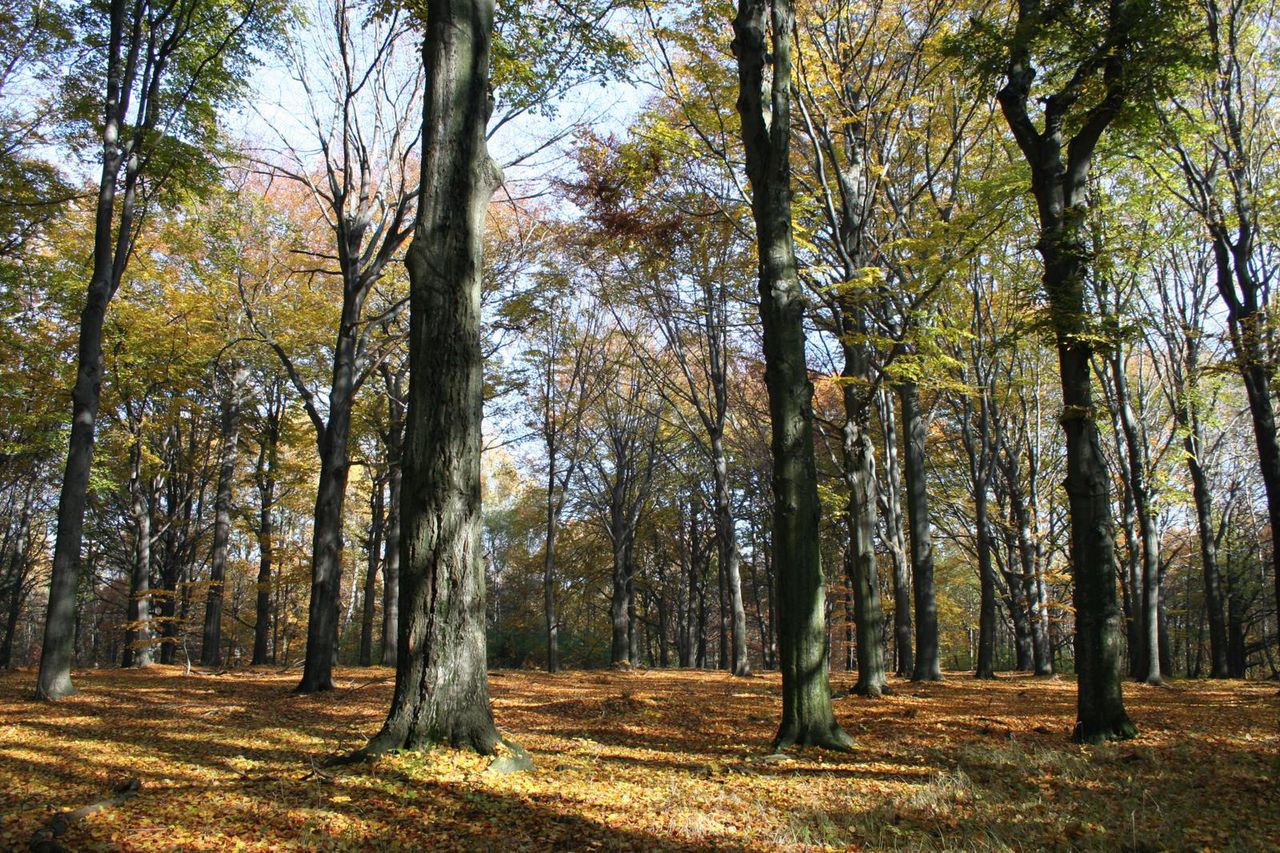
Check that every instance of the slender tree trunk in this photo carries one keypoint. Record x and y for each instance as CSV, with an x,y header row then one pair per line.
x,y
549,578
1203,499
138,650
858,456
391,556
326,538
268,459
902,632
1147,596
730,557
985,667
441,694
928,667
376,516
211,644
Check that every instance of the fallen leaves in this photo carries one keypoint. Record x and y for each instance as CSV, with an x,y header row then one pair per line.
x,y
636,760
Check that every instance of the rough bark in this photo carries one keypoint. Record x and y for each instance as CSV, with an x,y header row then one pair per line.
x,y
441,693
763,29
394,440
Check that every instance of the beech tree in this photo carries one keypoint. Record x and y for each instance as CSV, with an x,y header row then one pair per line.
x,y
159,70
442,693
763,46
1115,50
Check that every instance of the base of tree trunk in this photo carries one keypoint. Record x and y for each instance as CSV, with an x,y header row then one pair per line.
x,y
826,736
871,690
60,688
982,673
313,685
1121,729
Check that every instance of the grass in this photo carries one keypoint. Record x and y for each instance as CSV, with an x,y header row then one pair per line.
x,y
639,760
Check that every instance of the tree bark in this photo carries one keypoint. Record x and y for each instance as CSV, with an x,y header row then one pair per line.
x,y
441,694
211,643
763,29
138,649
928,667
902,630
376,516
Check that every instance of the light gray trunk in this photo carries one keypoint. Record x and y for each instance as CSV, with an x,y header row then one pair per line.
x,y
928,666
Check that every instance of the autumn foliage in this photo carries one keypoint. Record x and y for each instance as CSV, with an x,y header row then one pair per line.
x,y
637,760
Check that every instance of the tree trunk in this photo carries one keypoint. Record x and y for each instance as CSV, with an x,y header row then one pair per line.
x,y
211,644
928,667
441,694
326,537
268,459
391,546
1147,603
858,456
763,30
376,517
730,558
904,659
138,650
985,667
1208,550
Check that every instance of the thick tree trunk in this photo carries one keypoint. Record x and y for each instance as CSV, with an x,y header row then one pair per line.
x,y
441,694
928,667
763,31
902,632
211,644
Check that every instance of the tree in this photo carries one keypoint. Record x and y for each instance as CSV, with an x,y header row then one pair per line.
x,y
441,693
763,38
1097,57
361,113
159,69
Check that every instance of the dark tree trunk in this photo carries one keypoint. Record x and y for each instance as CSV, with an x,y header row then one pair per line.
x,y
326,537
441,694
369,611
928,667
268,459
763,30
1059,172
1146,597
1208,550
211,644
391,557
985,667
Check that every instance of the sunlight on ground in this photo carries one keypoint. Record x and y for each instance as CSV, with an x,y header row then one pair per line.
x,y
638,760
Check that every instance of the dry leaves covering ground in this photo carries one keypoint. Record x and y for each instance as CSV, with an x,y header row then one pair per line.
x,y
638,760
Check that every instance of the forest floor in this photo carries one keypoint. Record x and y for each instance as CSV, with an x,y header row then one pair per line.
x,y
637,760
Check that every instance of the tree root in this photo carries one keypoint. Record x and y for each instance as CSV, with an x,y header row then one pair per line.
x,y
45,839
